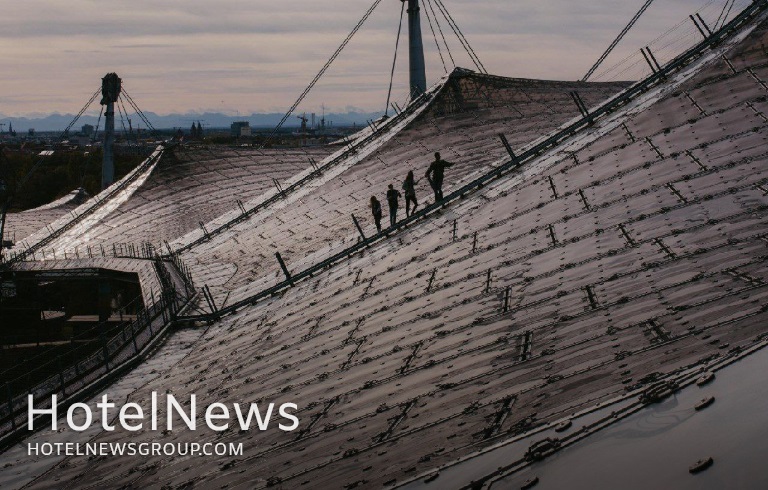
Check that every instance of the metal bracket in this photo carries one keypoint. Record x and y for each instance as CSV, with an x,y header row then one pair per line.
x,y
507,146
703,27
582,107
651,59
285,269
359,228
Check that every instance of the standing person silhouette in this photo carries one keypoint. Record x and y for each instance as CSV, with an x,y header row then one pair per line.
x,y
410,193
376,211
435,175
392,196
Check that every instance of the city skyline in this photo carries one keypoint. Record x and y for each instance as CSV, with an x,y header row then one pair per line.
x,y
256,57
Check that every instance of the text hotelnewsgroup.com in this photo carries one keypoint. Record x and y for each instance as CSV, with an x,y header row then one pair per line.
x,y
133,449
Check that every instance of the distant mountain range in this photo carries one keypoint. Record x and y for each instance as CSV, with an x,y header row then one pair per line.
x,y
57,122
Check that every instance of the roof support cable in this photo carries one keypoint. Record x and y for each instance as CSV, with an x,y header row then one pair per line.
x,y
321,72
462,38
440,30
434,36
98,123
141,114
125,111
460,35
725,17
725,6
617,40
669,31
122,119
138,111
394,61
60,140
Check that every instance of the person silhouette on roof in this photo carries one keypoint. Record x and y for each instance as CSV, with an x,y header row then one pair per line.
x,y
376,211
392,197
409,188
435,175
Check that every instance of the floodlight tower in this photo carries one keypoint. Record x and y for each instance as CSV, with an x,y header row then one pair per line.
x,y
416,50
110,91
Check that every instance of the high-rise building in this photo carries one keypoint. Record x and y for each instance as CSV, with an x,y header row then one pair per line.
x,y
240,128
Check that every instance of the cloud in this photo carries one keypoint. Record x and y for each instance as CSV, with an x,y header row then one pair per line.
x,y
258,55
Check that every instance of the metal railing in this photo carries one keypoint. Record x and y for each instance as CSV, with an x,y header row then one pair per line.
x,y
99,201
64,378
141,251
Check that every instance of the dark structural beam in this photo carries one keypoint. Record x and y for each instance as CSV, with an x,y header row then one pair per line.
x,y
418,74
110,91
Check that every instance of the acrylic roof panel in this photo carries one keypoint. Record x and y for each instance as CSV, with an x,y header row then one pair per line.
x,y
195,185
463,123
648,255
21,225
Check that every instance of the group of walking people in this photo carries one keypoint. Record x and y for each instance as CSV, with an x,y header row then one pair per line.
x,y
435,174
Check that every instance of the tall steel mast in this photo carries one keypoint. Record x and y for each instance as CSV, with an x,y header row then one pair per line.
x,y
416,50
111,85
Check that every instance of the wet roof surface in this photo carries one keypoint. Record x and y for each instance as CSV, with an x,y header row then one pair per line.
x,y
463,123
636,247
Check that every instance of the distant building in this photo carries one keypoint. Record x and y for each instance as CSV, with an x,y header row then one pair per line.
x,y
87,129
240,128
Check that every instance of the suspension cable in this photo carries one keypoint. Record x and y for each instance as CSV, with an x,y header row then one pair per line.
x,y
617,40
461,36
394,61
120,100
122,121
440,29
434,36
453,28
60,140
98,123
321,72
139,112
725,6
651,43
725,17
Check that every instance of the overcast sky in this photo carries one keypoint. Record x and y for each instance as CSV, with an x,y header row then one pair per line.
x,y
257,56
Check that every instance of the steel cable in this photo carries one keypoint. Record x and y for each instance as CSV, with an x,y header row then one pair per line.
x,y
394,61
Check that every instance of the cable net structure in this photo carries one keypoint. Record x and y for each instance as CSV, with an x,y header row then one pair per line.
x,y
610,253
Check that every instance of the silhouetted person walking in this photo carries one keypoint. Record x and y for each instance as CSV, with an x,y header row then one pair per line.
x,y
409,187
376,211
392,196
435,175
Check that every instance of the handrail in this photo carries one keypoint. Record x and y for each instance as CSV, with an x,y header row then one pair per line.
x,y
130,339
